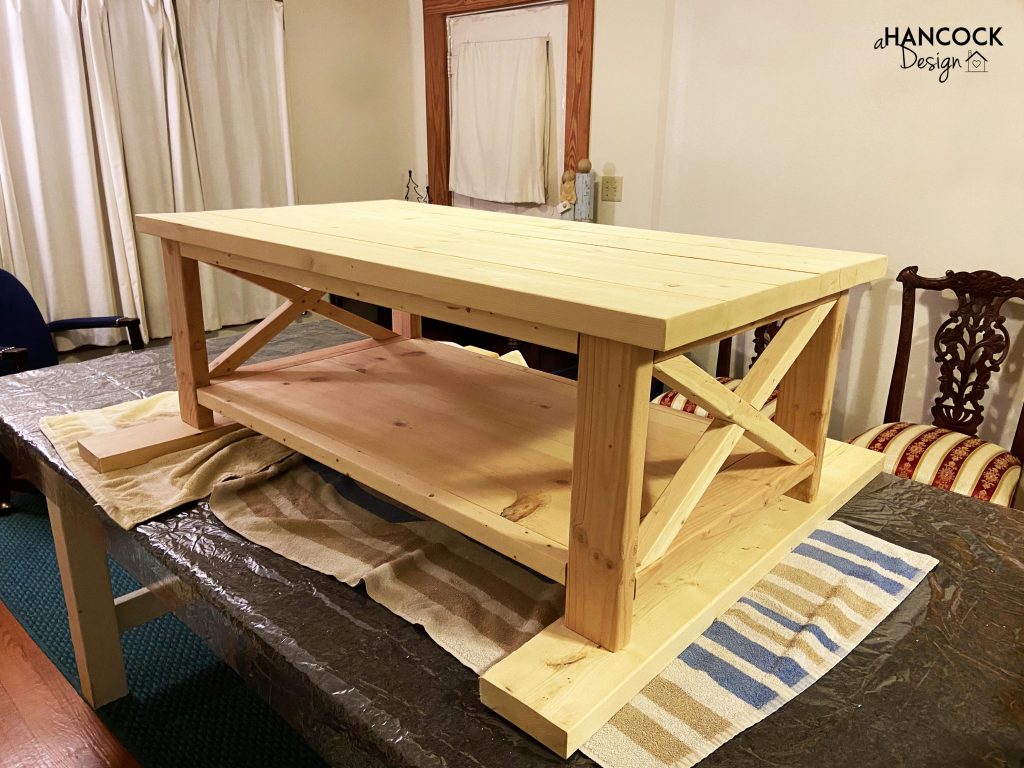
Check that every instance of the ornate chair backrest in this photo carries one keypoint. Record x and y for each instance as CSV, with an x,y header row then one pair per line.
x,y
763,334
970,346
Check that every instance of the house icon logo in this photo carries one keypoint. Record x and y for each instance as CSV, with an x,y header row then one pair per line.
x,y
976,62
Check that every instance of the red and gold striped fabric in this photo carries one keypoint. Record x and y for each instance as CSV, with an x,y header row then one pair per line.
x,y
945,459
673,399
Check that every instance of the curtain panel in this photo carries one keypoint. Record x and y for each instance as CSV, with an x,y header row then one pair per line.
x,y
104,113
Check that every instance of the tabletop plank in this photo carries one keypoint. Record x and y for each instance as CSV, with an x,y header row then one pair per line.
x,y
657,290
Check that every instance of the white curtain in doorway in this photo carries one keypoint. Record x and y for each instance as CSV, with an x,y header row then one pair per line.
x,y
499,134
99,122
65,227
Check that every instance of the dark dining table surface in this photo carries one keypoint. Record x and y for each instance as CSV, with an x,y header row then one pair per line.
x,y
940,682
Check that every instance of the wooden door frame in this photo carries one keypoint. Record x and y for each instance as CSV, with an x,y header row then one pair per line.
x,y
579,68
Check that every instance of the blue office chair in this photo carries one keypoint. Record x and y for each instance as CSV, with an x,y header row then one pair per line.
x,y
26,343
26,340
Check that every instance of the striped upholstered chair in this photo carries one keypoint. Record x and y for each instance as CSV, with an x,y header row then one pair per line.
x,y
970,346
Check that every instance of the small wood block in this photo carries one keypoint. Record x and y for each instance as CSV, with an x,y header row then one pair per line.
x,y
406,324
561,688
138,444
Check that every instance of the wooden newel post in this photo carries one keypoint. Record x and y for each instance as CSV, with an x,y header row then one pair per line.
x,y
607,482
185,301
805,394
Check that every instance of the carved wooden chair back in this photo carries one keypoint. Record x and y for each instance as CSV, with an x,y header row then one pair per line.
x,y
763,334
970,345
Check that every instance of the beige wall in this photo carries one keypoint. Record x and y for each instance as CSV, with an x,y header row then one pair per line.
x,y
351,101
779,122
789,127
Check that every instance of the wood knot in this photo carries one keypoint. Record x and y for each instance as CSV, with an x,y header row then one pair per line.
x,y
567,661
524,506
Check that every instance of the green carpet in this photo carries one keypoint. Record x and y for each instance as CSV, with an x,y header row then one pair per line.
x,y
185,707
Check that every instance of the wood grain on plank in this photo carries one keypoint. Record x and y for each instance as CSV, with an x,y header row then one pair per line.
x,y
406,324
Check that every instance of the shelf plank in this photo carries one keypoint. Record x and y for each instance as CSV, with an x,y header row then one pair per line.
x,y
497,437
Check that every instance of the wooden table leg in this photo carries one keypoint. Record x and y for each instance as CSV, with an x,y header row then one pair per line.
x,y
607,480
185,301
805,394
406,324
82,557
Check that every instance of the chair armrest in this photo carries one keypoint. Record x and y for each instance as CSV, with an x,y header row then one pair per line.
x,y
18,356
131,324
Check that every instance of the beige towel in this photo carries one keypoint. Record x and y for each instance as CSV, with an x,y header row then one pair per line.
x,y
134,495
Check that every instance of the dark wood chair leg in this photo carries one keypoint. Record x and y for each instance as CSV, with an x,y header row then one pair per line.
x,y
5,486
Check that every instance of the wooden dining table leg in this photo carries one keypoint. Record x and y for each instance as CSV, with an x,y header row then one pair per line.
x,y
80,545
607,482
805,394
188,338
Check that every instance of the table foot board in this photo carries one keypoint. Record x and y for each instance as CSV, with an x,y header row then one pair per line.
x,y
561,688
135,445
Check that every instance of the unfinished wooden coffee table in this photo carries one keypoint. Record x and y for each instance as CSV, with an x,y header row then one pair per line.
x,y
655,520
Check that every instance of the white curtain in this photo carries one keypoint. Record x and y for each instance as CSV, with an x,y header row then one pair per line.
x,y
156,141
234,68
499,134
65,229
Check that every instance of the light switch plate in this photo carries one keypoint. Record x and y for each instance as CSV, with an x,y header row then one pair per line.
x,y
611,189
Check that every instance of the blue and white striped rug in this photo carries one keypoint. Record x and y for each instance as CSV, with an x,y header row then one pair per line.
x,y
791,628
811,610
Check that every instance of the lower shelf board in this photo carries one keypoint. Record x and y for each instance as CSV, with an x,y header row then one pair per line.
x,y
481,445
561,688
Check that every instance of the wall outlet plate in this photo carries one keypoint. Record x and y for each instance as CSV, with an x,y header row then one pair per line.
x,y
611,189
